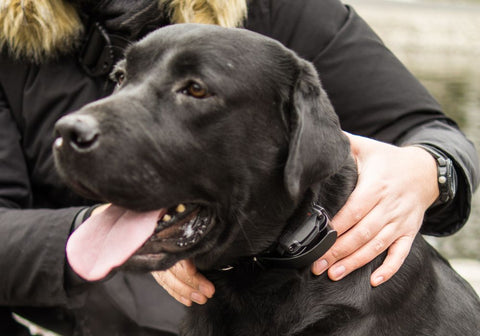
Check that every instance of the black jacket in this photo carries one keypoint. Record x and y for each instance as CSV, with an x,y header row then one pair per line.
x,y
373,94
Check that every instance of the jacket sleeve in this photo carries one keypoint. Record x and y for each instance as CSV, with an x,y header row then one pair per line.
x,y
447,219
376,96
32,242
373,94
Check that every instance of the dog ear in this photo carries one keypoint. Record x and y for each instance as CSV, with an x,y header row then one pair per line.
x,y
318,147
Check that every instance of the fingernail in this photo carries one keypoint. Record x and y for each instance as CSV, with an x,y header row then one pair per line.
x,y
198,298
320,266
337,272
378,280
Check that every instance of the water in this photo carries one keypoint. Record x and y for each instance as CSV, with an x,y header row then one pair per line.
x,y
439,41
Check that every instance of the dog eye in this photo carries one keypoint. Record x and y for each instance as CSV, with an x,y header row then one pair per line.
x,y
196,90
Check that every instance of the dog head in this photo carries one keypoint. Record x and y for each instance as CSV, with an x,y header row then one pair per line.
x,y
223,129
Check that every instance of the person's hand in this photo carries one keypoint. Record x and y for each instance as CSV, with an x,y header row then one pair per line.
x,y
395,187
185,283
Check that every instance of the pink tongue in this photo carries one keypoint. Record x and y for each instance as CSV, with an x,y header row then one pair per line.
x,y
106,240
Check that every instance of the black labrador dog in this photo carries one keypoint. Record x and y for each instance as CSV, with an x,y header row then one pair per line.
x,y
231,136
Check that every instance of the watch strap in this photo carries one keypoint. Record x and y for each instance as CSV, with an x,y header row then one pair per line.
x,y
446,175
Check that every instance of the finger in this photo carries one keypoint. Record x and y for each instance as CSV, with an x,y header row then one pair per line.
x,y
185,284
397,253
350,241
174,287
362,200
356,260
363,255
186,272
364,197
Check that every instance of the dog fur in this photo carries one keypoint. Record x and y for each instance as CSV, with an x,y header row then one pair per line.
x,y
256,148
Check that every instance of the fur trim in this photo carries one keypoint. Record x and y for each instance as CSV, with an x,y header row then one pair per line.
x,y
226,13
38,29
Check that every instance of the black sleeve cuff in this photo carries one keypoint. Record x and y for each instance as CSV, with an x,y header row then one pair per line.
x,y
449,218
73,283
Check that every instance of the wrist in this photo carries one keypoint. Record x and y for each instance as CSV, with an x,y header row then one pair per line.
x,y
446,177
427,168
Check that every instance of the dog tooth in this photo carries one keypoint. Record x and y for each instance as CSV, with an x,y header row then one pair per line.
x,y
181,208
166,218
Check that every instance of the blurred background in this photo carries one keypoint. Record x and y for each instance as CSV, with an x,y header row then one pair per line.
x,y
439,41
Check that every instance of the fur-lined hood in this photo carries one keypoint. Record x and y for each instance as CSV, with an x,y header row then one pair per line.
x,y
38,30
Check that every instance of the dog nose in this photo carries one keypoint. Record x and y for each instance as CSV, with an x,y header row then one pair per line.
x,y
81,132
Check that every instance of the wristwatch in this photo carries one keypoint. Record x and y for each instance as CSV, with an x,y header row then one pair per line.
x,y
446,175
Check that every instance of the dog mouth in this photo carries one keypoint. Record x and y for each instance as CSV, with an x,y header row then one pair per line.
x,y
178,229
116,237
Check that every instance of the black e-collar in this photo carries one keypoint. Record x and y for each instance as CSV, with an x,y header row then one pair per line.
x,y
301,247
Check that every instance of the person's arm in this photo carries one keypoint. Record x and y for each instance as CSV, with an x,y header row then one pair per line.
x,y
32,246
377,97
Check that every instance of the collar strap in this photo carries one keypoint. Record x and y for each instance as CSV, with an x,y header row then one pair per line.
x,y
301,247
101,50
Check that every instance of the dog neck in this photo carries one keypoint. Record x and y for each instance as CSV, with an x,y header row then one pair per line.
x,y
308,234
303,242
